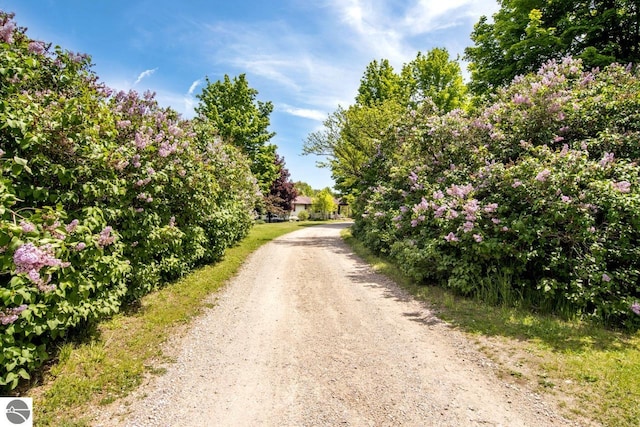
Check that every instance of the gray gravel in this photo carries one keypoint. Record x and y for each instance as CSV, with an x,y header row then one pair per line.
x,y
308,335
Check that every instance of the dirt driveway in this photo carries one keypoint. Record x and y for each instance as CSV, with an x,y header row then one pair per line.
x,y
308,335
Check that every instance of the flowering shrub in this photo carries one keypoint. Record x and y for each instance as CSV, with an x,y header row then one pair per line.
x,y
102,197
534,197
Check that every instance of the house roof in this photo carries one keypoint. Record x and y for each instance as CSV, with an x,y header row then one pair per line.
x,y
302,200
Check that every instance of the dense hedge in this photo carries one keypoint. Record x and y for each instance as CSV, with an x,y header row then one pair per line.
x,y
533,198
102,197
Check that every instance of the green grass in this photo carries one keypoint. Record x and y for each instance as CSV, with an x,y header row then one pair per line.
x,y
592,372
111,359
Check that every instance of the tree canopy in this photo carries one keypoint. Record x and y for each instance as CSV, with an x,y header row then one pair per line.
x,y
324,203
282,192
231,106
434,76
351,137
525,34
378,84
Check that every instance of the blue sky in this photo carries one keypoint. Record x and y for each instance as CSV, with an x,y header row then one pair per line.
x,y
305,56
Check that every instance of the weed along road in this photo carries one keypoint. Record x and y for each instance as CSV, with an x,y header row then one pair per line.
x,y
308,335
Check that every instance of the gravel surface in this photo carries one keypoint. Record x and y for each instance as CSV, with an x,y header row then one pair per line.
x,y
308,335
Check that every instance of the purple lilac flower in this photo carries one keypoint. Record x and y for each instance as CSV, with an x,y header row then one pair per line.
x,y
622,186
422,206
452,214
605,277
519,99
496,221
565,199
71,227
467,226
27,227
543,175
6,32
460,190
1,152
477,238
635,307
470,209
491,207
105,238
120,166
606,159
30,257
80,246
36,47
516,183
451,237
439,212
10,315
141,141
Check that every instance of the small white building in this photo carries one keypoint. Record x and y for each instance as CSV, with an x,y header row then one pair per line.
x,y
301,203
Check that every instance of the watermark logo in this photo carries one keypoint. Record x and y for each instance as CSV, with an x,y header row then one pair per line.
x,y
16,411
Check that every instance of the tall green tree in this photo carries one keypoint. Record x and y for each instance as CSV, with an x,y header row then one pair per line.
x,y
379,84
437,77
526,33
324,203
350,139
304,189
241,120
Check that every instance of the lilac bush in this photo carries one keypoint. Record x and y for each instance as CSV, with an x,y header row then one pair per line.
x,y
532,198
103,197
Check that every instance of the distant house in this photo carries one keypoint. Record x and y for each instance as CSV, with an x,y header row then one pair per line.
x,y
301,203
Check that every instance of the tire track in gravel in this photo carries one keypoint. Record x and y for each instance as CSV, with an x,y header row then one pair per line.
x,y
308,335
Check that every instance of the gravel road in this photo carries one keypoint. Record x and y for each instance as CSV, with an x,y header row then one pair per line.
x,y
308,335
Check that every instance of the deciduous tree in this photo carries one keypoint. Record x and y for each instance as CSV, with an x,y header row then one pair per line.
x,y
525,34
282,193
231,106
324,203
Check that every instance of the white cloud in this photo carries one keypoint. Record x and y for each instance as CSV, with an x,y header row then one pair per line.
x,y
305,112
432,15
193,86
144,74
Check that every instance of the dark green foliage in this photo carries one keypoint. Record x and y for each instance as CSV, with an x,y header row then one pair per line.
x,y
102,198
533,199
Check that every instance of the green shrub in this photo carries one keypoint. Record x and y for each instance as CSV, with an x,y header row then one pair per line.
x,y
540,187
103,197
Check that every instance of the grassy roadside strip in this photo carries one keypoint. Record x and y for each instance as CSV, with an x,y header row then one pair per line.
x,y
592,373
112,359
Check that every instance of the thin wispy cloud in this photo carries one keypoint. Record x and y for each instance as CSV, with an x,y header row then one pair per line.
x,y
144,74
194,86
307,58
307,113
